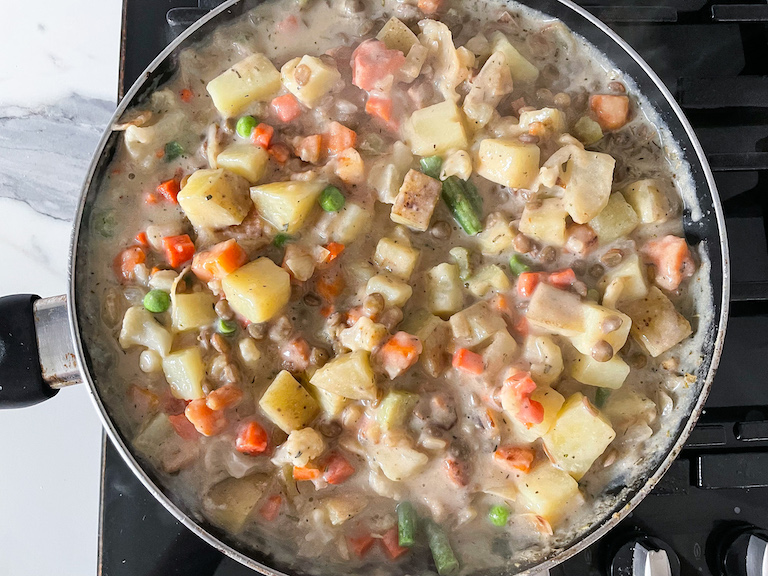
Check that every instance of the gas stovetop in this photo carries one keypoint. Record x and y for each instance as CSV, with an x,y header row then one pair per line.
x,y
714,57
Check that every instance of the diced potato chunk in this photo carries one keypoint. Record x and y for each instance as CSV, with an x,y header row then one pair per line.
x,y
416,201
395,409
396,255
215,198
551,400
628,279
476,324
589,371
159,442
286,205
587,131
365,334
397,36
230,502
444,295
580,435
398,462
552,119
245,160
349,375
345,225
330,404
344,507
656,324
323,76
549,492
395,292
436,129
546,359
615,221
508,162
490,278
185,371
497,235
141,329
258,290
597,321
649,203
545,222
522,70
191,311
287,403
587,180
252,79
556,311
499,353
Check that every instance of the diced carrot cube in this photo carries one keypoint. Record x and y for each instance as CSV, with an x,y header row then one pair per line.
x,y
391,543
374,65
183,427
186,95
527,282
360,545
337,469
208,422
514,457
286,107
339,138
271,508
170,189
562,278
262,135
252,439
468,361
219,260
306,473
224,397
610,110
178,249
125,263
672,259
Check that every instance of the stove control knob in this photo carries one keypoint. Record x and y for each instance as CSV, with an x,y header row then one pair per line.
x,y
747,554
644,556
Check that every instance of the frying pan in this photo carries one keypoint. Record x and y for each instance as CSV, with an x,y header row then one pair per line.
x,y
43,346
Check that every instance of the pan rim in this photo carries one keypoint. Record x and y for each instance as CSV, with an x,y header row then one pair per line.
x,y
609,521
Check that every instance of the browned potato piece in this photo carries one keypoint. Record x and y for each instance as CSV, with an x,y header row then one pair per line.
x,y
416,201
656,324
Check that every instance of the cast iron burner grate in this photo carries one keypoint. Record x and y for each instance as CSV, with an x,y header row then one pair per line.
x,y
712,56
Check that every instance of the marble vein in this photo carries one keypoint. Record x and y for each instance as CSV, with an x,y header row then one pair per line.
x,y
45,152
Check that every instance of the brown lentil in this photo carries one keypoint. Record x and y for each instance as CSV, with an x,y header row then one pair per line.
x,y
526,138
223,310
596,271
617,87
257,331
611,324
281,330
373,304
548,254
312,299
562,100
521,243
441,230
219,343
612,258
602,351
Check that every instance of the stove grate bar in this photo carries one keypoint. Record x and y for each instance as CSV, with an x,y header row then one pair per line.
x,y
749,291
738,161
710,93
740,13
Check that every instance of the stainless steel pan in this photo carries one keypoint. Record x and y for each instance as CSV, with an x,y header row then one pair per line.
x,y
43,349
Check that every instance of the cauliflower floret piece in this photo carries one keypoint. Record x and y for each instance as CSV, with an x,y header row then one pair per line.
x,y
301,447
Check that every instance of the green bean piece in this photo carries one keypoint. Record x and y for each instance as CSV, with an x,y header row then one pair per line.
x,y
245,126
406,524
455,196
226,326
518,265
157,301
281,240
173,150
331,199
601,395
498,515
442,553
473,195
431,166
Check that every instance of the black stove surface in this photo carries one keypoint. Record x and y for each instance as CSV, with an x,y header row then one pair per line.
x,y
714,57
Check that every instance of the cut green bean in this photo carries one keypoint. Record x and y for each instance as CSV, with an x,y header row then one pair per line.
x,y
455,196
331,199
157,301
431,166
245,126
442,553
406,524
518,265
498,515
473,195
601,395
173,150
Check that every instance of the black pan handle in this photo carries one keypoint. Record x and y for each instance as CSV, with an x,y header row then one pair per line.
x,y
21,377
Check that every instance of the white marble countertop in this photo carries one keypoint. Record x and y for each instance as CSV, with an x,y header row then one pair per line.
x,y
58,85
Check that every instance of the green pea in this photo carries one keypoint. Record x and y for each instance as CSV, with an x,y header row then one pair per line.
x,y
518,265
105,223
173,150
245,126
157,301
226,326
281,240
498,515
431,166
331,199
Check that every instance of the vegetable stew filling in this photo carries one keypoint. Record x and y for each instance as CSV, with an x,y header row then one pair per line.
x,y
411,292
